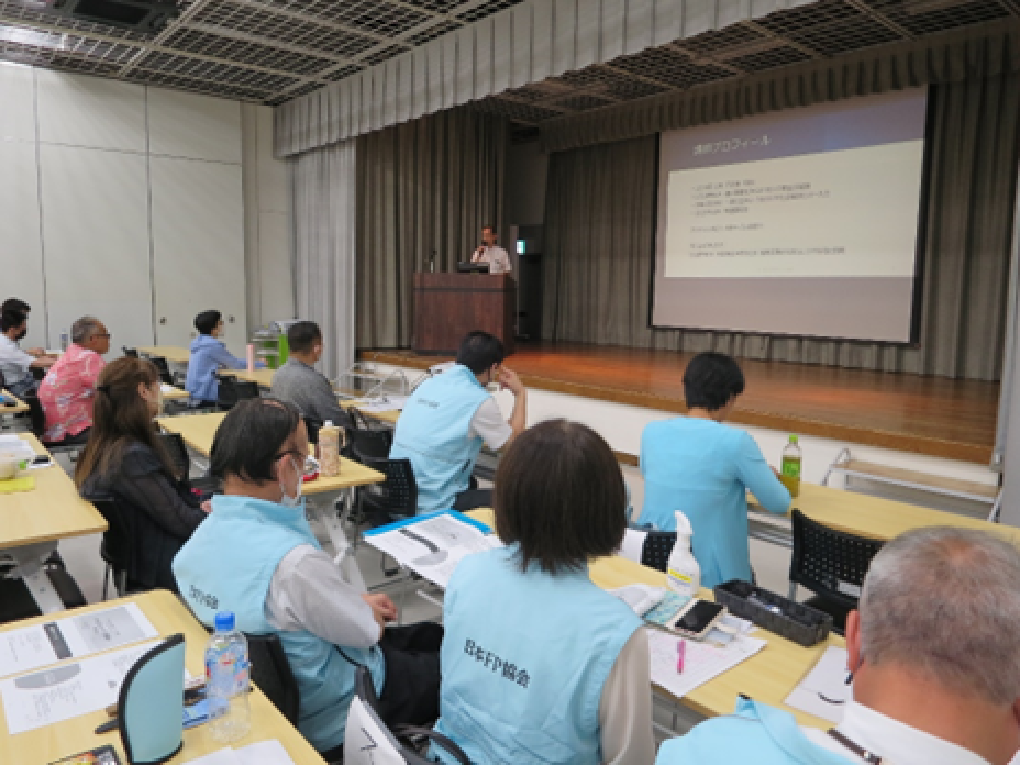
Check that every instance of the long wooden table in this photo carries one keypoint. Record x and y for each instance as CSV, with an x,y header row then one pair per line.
x,y
169,616
768,676
875,517
52,511
197,430
175,354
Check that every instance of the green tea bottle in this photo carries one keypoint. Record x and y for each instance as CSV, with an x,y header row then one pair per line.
x,y
791,467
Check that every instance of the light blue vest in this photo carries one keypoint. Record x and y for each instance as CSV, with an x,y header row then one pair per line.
x,y
524,661
432,433
228,564
755,734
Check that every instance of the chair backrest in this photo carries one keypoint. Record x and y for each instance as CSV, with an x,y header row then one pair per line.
x,y
246,389
368,741
130,352
162,370
150,704
313,429
655,551
828,562
174,445
271,672
397,496
117,544
36,414
226,395
371,444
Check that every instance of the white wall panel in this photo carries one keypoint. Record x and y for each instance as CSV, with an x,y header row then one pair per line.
x,y
275,267
97,241
198,260
18,115
21,249
191,126
90,112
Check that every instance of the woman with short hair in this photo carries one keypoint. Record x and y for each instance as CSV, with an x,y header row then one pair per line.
x,y
540,665
700,466
124,459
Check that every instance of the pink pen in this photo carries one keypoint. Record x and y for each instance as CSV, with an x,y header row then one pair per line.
x,y
682,647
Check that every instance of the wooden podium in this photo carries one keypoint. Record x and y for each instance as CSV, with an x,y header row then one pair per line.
x,y
446,306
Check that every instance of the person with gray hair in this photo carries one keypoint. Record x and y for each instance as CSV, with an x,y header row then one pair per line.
x,y
67,391
933,650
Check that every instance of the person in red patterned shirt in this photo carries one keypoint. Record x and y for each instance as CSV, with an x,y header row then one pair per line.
x,y
67,391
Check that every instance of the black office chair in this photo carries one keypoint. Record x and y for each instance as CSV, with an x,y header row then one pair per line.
x,y
655,551
393,500
226,396
18,603
271,672
370,444
116,545
174,445
37,418
131,352
313,429
163,371
246,389
366,731
831,564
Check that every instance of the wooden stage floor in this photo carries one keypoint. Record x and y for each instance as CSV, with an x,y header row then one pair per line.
x,y
936,416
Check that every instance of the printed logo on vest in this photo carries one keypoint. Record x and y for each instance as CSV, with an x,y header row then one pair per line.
x,y
497,665
207,600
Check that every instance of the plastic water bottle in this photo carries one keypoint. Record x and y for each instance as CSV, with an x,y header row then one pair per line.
x,y
227,669
791,466
683,574
64,341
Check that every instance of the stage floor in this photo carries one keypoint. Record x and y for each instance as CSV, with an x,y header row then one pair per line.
x,y
935,416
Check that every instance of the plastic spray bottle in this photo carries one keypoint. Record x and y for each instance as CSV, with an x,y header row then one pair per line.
x,y
683,574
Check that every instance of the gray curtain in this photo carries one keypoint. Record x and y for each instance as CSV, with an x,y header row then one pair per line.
x,y
423,187
600,227
974,53
322,210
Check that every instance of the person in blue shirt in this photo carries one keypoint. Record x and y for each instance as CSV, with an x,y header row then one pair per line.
x,y
933,651
447,420
540,665
700,466
207,354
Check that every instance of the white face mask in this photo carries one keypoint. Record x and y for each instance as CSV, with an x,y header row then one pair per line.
x,y
287,500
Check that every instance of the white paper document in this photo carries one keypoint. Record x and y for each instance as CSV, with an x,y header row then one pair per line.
x,y
53,641
382,404
702,662
64,692
823,692
262,753
432,548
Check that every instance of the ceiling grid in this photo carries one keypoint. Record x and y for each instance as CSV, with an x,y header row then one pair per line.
x,y
272,51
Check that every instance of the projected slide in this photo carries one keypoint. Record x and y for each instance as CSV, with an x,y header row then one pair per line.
x,y
801,222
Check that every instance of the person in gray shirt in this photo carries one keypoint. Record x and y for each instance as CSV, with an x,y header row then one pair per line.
x,y
298,382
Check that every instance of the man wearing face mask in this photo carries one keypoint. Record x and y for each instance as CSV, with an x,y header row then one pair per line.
x,y
256,555
449,417
15,363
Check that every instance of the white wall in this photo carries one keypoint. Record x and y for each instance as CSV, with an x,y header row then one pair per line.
x,y
130,203
270,294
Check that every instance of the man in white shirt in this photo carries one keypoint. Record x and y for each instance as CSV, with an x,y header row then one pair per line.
x,y
15,363
491,253
934,654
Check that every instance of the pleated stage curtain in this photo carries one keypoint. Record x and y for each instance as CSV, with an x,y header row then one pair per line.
x,y
426,186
